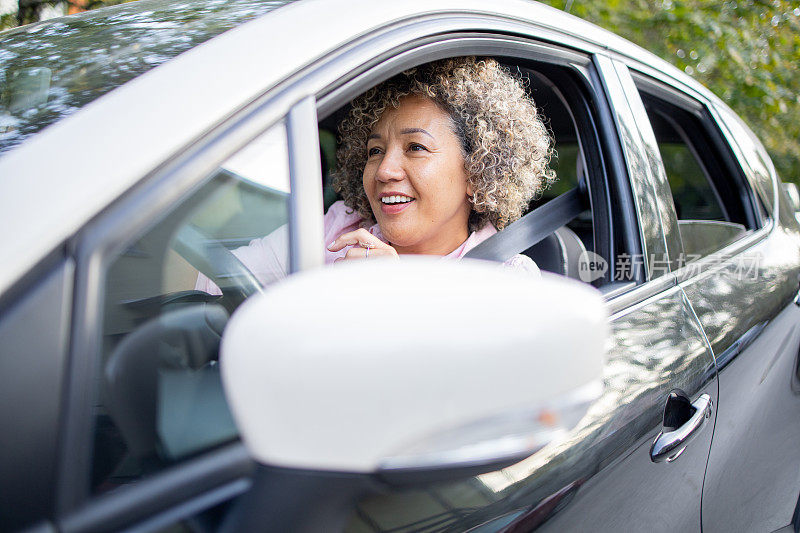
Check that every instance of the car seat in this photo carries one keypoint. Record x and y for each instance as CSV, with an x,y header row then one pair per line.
x,y
559,252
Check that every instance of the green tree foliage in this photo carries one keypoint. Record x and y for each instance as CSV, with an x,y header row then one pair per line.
x,y
746,51
30,11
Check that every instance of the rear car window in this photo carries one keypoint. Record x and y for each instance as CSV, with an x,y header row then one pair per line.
x,y
50,70
713,205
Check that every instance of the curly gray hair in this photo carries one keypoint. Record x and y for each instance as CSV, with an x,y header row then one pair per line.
x,y
505,144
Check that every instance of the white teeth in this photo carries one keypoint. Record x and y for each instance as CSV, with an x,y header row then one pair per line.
x,y
396,199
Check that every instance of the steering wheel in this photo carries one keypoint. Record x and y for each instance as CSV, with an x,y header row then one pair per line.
x,y
208,256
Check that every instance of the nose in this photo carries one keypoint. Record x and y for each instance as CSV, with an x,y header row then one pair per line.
x,y
391,168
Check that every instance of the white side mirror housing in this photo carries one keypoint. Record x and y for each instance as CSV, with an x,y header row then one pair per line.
x,y
419,363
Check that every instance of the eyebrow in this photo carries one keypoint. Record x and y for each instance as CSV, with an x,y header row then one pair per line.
x,y
405,131
415,130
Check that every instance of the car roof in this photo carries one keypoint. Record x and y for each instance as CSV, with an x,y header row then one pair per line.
x,y
66,175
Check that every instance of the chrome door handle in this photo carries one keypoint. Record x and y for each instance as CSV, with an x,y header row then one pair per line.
x,y
669,445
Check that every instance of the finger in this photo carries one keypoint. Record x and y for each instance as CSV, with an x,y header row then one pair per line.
x,y
358,237
355,253
351,238
388,251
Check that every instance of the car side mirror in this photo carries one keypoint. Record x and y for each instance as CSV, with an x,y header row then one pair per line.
x,y
407,370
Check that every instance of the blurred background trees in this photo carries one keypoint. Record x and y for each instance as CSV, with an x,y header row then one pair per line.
x,y
18,12
745,51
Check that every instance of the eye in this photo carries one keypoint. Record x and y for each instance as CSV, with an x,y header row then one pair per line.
x,y
415,147
373,151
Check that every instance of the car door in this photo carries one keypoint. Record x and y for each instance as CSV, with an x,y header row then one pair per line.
x,y
602,475
32,368
150,438
739,266
754,459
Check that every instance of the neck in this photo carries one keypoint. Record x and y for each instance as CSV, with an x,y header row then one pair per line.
x,y
440,245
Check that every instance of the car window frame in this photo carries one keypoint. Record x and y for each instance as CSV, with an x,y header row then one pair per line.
x,y
766,185
518,50
100,242
703,110
688,88
702,107
644,181
31,385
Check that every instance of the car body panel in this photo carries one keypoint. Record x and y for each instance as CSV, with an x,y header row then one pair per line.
x,y
600,475
752,481
35,333
737,293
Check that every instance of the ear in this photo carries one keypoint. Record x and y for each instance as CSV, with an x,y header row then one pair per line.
x,y
470,191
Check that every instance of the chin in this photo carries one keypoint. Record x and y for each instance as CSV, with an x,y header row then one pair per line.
x,y
398,237
399,241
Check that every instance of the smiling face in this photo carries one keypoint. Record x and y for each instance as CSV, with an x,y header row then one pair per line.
x,y
415,179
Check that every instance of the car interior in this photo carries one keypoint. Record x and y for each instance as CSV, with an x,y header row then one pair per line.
x,y
558,252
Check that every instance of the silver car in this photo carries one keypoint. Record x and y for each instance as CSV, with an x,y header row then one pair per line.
x,y
140,143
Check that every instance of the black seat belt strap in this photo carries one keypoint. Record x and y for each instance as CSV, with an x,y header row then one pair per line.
x,y
530,229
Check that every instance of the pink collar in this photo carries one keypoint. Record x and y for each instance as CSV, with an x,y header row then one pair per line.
x,y
474,239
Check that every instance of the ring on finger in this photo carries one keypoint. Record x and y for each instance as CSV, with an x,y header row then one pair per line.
x,y
367,247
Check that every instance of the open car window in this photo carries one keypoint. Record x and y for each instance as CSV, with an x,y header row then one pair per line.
x,y
562,97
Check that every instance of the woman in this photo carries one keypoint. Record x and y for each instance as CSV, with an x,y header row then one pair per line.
x,y
432,161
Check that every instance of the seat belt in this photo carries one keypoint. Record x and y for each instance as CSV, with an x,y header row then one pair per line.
x,y
531,228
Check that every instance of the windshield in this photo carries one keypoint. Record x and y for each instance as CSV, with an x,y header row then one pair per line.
x,y
50,70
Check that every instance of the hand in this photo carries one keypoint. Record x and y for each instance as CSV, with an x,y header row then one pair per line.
x,y
364,244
